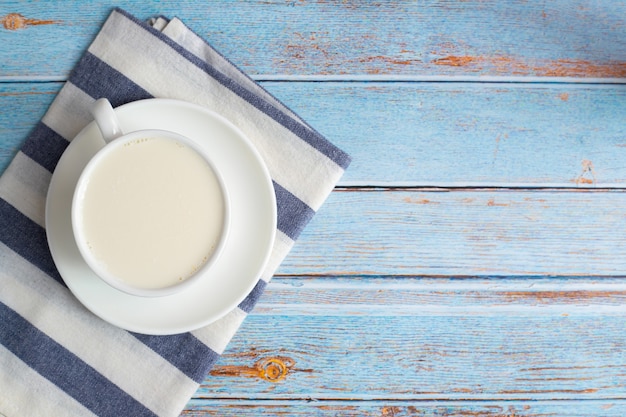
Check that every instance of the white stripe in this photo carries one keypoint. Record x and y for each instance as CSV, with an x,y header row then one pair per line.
x,y
112,352
297,166
69,112
217,334
24,185
24,392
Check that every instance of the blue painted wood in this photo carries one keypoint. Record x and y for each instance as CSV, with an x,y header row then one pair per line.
x,y
470,134
422,296
394,408
368,339
564,38
446,355
434,134
464,233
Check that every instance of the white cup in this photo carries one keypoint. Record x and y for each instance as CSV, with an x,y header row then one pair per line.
x,y
150,213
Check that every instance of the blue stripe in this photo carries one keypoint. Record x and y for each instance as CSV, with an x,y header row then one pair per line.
x,y
26,238
305,133
184,351
64,369
99,79
44,146
293,214
251,299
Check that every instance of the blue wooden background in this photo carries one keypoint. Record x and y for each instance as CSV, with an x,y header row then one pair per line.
x,y
472,261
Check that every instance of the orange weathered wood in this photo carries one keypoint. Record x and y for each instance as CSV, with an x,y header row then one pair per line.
x,y
565,38
15,21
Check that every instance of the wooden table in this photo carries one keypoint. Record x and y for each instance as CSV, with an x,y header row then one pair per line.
x,y
472,261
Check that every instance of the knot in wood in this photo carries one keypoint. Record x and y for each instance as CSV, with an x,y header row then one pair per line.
x,y
274,369
14,21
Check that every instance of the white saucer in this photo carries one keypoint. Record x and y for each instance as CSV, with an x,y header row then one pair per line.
x,y
252,232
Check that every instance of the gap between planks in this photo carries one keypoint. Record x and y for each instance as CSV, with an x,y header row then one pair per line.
x,y
389,78
384,186
404,408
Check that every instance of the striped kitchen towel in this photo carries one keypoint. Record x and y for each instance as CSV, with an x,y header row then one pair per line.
x,y
56,358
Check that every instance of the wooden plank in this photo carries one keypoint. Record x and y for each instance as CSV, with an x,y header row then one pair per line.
x,y
451,134
479,351
464,233
565,38
421,296
433,134
390,408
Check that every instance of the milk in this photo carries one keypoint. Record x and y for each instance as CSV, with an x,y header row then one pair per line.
x,y
152,212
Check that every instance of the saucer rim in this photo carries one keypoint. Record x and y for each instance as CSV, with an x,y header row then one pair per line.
x,y
190,321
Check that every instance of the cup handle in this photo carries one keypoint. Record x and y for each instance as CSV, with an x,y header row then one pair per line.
x,y
107,121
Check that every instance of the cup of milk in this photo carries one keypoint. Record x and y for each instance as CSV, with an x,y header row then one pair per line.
x,y
150,212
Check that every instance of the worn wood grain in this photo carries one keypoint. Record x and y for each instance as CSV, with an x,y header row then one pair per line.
x,y
414,295
328,339
451,134
392,408
434,134
565,38
470,232
507,355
